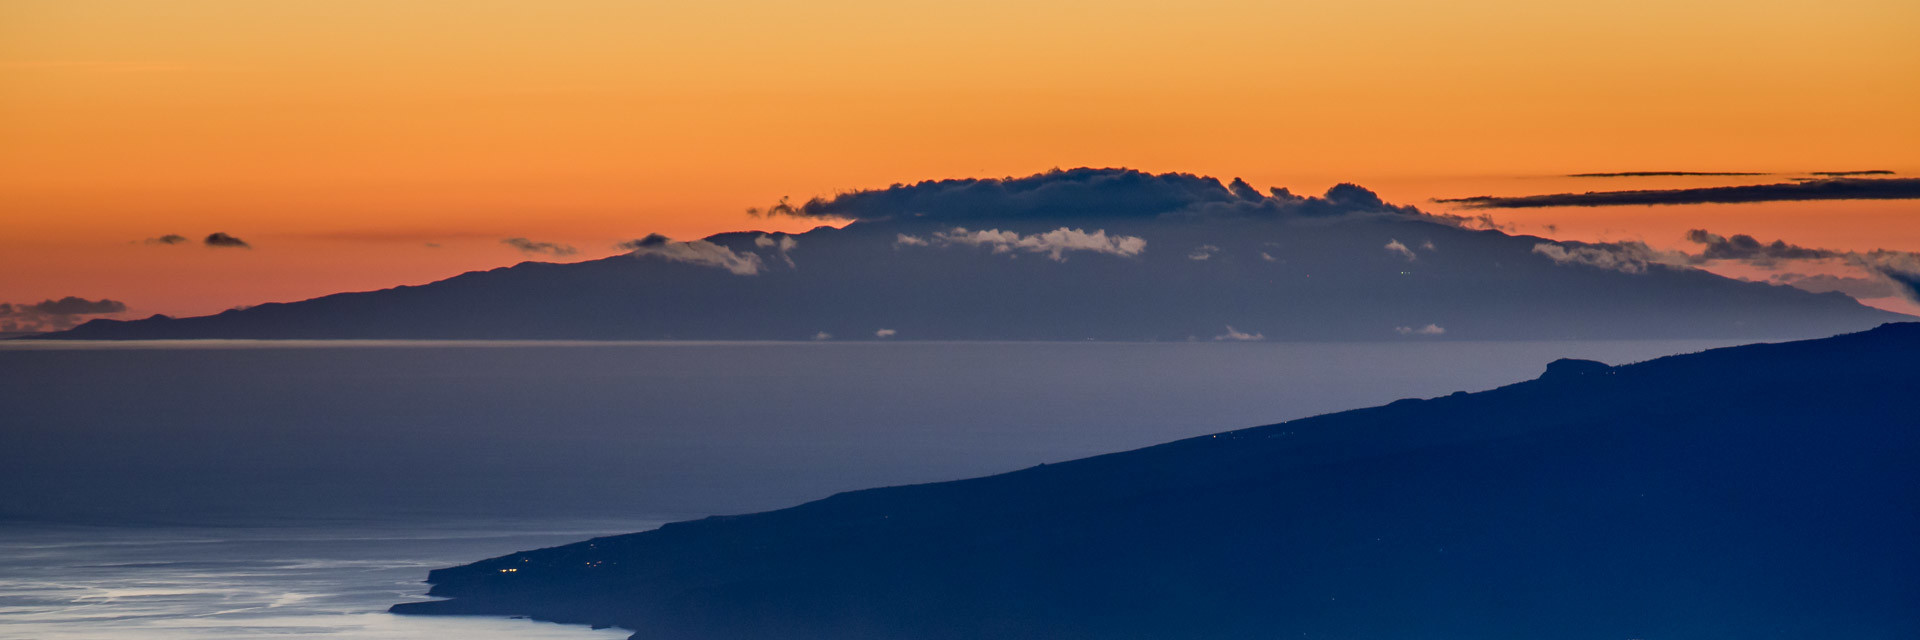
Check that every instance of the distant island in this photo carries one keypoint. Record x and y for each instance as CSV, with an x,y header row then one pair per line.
x,y
1082,254
1761,491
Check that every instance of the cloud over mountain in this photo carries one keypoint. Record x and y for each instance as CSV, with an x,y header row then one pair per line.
x,y
1054,244
53,315
698,252
1084,193
540,248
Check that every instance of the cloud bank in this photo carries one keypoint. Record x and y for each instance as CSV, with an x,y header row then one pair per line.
x,y
1083,193
53,315
1880,273
698,252
1826,189
1054,244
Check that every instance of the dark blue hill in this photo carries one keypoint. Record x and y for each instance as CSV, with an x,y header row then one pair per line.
x,y
1763,491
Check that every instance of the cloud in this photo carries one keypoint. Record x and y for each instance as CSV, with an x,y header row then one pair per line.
x,y
823,336
1649,174
700,252
1396,248
1268,257
885,333
1202,252
221,239
169,239
53,315
1082,194
1055,244
540,248
1826,189
1235,335
1626,257
1745,247
1869,172
1863,288
782,243
1429,330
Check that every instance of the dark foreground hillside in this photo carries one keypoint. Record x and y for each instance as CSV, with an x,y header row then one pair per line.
x,y
1764,491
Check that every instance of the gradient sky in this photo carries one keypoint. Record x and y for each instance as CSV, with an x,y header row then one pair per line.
x,y
343,138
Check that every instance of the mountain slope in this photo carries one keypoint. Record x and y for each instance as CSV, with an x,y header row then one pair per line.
x,y
1756,492
1084,254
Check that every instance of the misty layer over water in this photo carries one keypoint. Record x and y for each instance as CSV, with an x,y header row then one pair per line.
x,y
241,431
224,490
330,581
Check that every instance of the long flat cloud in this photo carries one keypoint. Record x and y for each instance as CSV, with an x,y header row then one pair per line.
x,y
1054,244
1828,189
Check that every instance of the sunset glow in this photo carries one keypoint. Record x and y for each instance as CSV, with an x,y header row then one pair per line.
x,y
360,145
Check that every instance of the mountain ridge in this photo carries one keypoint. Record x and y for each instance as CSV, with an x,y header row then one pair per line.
x,y
1757,491
1110,255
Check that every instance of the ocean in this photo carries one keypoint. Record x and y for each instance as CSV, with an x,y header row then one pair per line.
x,y
235,489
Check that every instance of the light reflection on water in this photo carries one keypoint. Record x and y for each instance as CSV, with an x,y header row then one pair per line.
x,y
330,581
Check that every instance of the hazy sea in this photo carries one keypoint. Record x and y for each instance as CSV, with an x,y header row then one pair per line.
x,y
265,489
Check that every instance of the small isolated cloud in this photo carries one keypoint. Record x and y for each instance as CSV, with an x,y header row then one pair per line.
x,y
885,333
822,336
1429,330
700,252
1397,248
53,315
169,239
1054,244
1268,257
782,243
904,240
1823,189
1203,252
1236,335
1427,246
220,239
540,248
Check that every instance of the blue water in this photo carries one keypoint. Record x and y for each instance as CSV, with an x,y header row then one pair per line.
x,y
247,490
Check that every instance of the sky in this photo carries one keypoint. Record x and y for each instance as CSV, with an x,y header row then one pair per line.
x,y
358,145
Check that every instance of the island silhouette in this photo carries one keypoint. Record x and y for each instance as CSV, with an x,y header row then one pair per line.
x,y
1755,491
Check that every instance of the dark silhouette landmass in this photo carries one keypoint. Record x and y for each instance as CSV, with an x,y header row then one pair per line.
x,y
1104,254
1762,491
1083,254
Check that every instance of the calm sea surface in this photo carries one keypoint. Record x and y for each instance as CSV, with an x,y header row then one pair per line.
x,y
250,490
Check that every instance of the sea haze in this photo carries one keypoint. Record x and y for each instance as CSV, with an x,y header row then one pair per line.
x,y
250,489
328,581
236,431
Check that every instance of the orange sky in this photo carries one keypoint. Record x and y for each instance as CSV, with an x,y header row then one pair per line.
x,y
340,138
